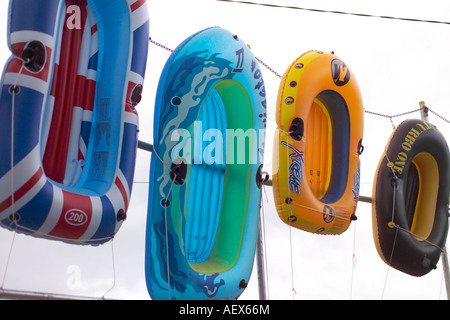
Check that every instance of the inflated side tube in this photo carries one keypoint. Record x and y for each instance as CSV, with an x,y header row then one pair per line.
x,y
316,166
68,124
411,197
204,193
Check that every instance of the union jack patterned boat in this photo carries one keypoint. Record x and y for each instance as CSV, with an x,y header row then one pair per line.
x,y
68,124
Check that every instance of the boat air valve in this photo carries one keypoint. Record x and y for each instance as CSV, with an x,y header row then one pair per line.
x,y
297,129
178,171
34,56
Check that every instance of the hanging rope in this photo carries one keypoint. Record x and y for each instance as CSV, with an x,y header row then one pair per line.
x,y
354,262
160,45
14,89
2,286
263,240
364,15
167,237
165,218
390,117
114,270
290,216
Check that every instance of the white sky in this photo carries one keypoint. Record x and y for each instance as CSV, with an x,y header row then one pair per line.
x,y
396,63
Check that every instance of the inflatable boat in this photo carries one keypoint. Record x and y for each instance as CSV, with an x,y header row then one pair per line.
x,y
318,140
205,175
68,123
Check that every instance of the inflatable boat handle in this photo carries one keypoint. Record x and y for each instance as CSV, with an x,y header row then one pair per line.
x,y
145,146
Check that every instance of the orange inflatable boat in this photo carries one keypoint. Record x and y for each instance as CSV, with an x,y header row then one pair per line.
x,y
316,166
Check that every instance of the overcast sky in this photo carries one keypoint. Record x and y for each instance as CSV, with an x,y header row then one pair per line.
x,y
397,64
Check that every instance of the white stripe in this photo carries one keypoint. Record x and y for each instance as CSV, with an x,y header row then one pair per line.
x,y
59,28
115,196
72,152
134,77
20,203
55,212
30,35
132,118
91,75
138,17
96,219
83,60
23,172
124,181
87,116
83,147
47,122
26,81
78,171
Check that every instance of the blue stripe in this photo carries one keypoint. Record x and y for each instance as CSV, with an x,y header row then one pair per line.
x,y
28,105
140,48
128,154
36,15
34,213
93,62
5,131
85,132
108,223
340,123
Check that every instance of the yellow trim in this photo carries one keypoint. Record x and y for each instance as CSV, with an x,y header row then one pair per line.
x,y
325,155
424,214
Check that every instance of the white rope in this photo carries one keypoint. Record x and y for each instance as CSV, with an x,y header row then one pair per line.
x,y
48,236
321,212
389,164
263,233
389,264
165,219
290,216
114,270
13,91
7,262
167,236
354,262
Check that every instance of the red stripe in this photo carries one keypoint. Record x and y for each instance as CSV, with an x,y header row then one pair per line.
x,y
80,84
75,216
137,5
65,91
53,91
128,105
121,187
80,156
16,64
22,190
89,96
94,29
